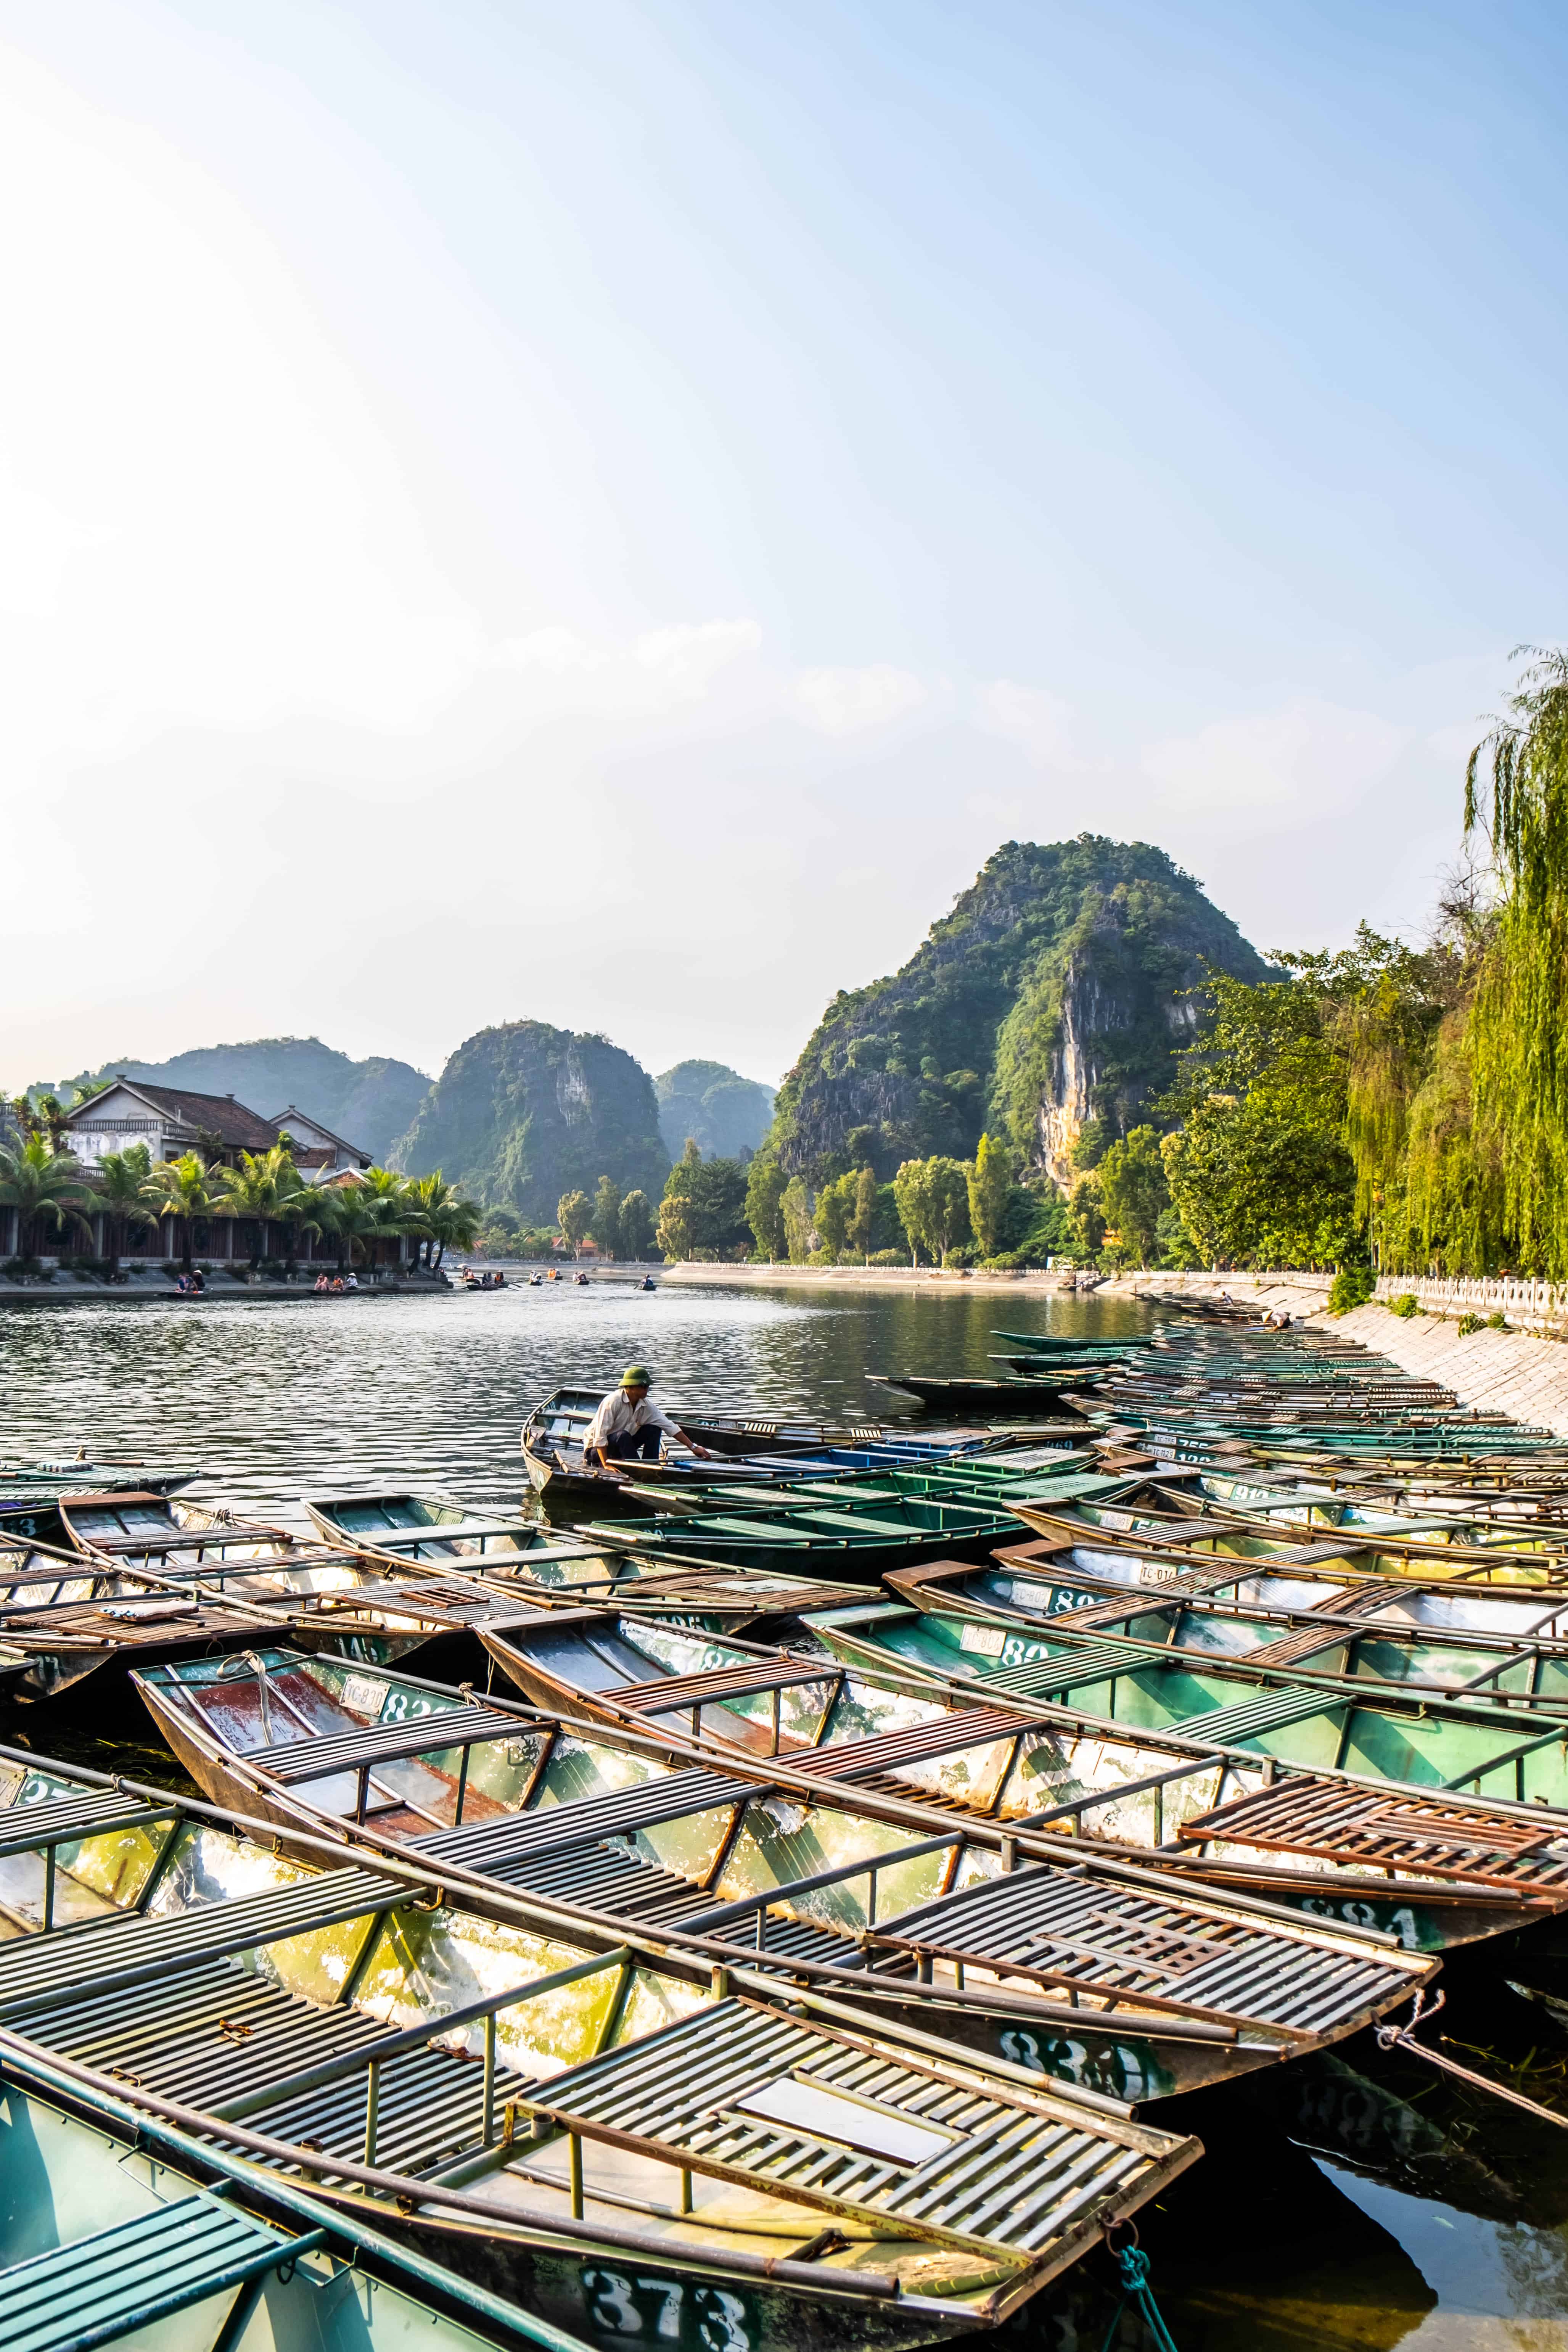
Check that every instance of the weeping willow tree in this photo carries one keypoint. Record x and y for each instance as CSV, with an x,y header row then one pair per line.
x,y
1516,795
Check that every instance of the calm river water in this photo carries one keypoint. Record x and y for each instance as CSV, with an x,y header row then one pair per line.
x,y
1349,2202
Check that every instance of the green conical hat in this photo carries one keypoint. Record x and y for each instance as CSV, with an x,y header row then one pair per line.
x,y
637,1376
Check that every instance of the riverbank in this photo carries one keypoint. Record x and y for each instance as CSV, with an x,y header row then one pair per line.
x,y
868,1277
1511,1371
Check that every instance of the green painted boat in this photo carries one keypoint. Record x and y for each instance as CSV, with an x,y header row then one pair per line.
x,y
856,1539
1452,1871
899,1908
118,2226
1358,1633
599,2129
1489,1748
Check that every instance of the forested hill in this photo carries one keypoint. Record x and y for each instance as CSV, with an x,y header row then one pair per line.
x,y
1048,1001
725,1113
523,1113
369,1103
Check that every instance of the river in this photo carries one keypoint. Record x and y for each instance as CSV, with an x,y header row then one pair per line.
x,y
1350,2202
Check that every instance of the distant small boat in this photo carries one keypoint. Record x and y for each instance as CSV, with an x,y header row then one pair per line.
x,y
582,1279
647,1282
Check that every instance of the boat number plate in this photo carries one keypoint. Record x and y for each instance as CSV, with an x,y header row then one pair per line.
x,y
988,1641
364,1694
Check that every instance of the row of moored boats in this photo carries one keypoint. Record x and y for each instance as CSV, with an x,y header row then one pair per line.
x,y
785,1895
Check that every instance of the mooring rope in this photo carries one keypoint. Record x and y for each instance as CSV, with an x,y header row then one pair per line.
x,y
1133,2263
1402,2037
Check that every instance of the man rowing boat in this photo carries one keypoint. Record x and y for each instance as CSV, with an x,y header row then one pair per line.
x,y
626,1428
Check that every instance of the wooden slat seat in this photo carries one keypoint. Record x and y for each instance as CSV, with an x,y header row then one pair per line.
x,y
37,1970
101,2288
1395,1829
1057,1927
297,1760
792,2107
493,1845
719,1683
81,1814
917,1743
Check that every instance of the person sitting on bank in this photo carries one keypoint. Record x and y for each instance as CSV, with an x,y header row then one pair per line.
x,y
626,1428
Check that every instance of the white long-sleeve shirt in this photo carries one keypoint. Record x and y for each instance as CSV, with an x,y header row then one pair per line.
x,y
616,1418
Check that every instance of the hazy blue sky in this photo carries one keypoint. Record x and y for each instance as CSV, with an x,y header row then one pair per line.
x,y
610,513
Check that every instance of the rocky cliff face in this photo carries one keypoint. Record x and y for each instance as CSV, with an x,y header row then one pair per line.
x,y
523,1113
1048,1002
725,1113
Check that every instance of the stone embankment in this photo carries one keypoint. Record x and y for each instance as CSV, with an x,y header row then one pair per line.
x,y
1521,1372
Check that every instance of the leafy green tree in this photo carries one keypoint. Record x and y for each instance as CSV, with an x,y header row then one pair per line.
x,y
1261,1172
637,1225
122,1178
45,1187
183,1188
1135,1194
605,1225
990,1194
574,1215
794,1214
933,1203
765,1182
1086,1218
439,1216
674,1232
862,1235
835,1213
1517,1036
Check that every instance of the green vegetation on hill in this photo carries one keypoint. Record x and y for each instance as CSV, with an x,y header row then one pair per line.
x,y
723,1113
1046,1006
524,1114
368,1103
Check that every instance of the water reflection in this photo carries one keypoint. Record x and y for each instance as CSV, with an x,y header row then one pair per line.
x,y
276,1395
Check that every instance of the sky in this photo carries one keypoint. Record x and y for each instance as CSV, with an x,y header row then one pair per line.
x,y
610,514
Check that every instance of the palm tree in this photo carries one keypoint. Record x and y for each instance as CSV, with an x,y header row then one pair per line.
x,y
264,1190
180,1188
456,1225
429,1198
122,1178
43,1185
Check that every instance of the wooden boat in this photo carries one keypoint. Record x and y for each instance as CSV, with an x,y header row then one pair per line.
x,y
1013,1394
1489,1746
119,2224
648,1834
164,1577
553,1432
1513,1651
1154,1520
856,1537
1076,1351
795,2170
531,1564
1430,1868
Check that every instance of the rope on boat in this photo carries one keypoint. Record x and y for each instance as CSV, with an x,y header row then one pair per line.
x,y
1402,2037
1121,2237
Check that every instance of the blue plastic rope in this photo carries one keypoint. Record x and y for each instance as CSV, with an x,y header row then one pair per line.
x,y
1136,2290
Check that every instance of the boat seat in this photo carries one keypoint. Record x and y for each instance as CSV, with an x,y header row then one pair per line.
x,y
719,1683
38,1972
494,1846
1399,1828
82,1814
382,1743
100,2289
858,1759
